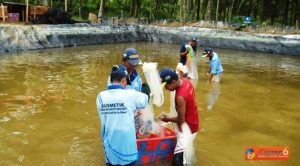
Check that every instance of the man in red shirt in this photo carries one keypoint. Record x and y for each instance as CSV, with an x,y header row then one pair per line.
x,y
186,109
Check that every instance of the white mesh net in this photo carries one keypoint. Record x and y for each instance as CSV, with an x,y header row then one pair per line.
x,y
146,123
152,78
192,63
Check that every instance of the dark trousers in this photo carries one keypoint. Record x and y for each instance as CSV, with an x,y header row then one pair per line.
x,y
178,159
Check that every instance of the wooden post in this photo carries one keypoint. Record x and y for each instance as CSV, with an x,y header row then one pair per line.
x,y
3,14
34,11
27,11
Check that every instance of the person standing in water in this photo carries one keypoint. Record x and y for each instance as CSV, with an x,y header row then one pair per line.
x,y
184,50
131,60
186,108
117,107
188,58
215,70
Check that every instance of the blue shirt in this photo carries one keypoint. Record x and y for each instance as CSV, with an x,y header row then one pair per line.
x,y
183,49
215,65
135,82
116,107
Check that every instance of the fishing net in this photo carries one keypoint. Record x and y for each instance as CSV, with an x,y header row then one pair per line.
x,y
153,79
191,63
146,123
185,138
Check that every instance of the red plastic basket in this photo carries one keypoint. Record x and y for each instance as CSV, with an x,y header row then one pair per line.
x,y
156,147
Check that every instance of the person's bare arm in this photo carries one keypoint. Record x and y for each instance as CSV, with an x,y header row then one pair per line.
x,y
180,109
183,54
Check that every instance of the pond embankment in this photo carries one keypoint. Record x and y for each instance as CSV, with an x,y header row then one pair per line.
x,y
14,38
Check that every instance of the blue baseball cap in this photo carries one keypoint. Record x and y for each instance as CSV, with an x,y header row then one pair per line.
x,y
120,70
168,75
206,51
195,39
132,56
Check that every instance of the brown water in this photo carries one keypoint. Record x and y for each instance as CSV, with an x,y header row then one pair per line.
x,y
48,113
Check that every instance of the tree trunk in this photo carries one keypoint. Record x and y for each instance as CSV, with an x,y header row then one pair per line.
x,y
182,11
137,8
66,5
293,13
240,5
132,8
156,5
230,10
188,7
274,13
80,7
208,10
198,3
173,3
253,10
260,7
285,13
100,13
217,10
225,10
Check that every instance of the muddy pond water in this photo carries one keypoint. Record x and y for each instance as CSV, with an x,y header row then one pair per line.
x,y
48,113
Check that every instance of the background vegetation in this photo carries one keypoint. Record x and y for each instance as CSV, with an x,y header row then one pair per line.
x,y
267,12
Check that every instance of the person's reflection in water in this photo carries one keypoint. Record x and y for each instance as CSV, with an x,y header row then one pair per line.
x,y
214,91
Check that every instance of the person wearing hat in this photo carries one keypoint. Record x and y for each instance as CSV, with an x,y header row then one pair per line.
x,y
184,49
186,108
215,70
131,60
117,107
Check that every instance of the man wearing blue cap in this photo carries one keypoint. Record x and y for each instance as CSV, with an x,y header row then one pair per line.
x,y
131,59
187,112
215,71
117,107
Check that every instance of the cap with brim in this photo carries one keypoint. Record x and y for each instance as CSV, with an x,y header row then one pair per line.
x,y
132,56
195,39
119,70
167,75
134,61
206,51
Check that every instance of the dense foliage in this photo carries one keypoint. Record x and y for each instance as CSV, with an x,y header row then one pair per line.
x,y
269,12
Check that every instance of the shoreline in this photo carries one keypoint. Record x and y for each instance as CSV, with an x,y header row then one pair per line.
x,y
16,38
